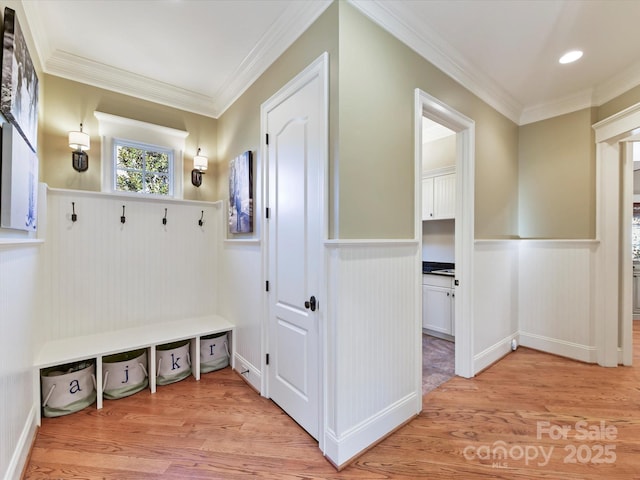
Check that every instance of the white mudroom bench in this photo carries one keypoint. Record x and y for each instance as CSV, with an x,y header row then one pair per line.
x,y
96,346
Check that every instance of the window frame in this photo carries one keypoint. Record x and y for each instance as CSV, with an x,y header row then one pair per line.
x,y
113,128
123,142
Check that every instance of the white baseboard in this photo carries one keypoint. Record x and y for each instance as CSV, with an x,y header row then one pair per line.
x,y
248,371
21,453
340,449
492,354
576,351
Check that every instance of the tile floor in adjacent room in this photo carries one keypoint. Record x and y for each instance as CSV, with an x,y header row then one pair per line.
x,y
438,362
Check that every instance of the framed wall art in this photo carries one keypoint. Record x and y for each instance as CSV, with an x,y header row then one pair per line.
x,y
19,83
19,184
241,194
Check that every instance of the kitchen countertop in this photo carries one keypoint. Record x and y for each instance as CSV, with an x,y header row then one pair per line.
x,y
438,268
447,273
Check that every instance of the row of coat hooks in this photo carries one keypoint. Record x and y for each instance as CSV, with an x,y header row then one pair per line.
x,y
123,218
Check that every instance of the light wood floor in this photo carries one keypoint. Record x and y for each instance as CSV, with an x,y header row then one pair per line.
x,y
219,428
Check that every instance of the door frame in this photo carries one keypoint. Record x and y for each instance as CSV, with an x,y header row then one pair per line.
x,y
613,327
432,108
318,68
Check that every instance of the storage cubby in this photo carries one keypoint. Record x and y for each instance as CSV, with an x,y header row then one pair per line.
x,y
94,348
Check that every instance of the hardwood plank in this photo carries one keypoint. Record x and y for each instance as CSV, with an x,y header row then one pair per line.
x,y
102,460
221,428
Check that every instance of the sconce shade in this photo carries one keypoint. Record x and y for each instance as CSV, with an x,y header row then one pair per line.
x,y
79,141
200,162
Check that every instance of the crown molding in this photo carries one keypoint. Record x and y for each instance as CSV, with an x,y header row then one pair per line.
x,y
617,85
87,71
602,93
398,20
298,17
557,107
394,17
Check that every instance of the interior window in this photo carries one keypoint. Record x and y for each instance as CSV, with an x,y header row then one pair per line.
x,y
140,157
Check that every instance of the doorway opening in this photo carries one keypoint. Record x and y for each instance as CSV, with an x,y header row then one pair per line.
x,y
438,253
635,230
456,204
613,322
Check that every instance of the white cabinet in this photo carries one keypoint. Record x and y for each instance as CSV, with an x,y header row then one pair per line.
x,y
438,304
439,197
427,198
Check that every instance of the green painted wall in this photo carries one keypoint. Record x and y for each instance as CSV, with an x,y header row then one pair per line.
x,y
557,177
371,146
378,76
67,103
239,125
536,181
617,104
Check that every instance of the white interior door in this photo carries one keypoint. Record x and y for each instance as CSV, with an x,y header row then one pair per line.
x,y
296,156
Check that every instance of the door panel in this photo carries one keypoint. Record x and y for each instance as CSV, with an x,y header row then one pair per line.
x,y
292,340
289,153
296,155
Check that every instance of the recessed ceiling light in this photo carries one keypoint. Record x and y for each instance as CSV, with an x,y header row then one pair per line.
x,y
571,56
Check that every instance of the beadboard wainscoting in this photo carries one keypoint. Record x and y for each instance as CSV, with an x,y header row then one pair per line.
x,y
103,275
540,292
557,295
241,293
19,307
495,300
373,343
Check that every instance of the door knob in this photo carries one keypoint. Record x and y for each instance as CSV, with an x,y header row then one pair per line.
x,y
311,304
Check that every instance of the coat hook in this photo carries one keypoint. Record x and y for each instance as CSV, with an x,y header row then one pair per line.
x,y
201,221
164,220
74,217
123,218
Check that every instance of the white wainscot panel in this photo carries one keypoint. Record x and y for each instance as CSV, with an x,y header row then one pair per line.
x,y
241,291
557,295
372,343
104,275
495,299
19,306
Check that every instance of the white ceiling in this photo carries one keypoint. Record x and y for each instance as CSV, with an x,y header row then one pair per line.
x,y
200,55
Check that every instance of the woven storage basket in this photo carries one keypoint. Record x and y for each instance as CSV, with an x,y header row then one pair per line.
x,y
124,374
173,362
214,352
68,388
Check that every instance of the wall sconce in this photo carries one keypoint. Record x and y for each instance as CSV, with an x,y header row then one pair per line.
x,y
200,164
79,141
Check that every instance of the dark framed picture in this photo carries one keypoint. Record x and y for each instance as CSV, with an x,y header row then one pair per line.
x,y
19,85
241,194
